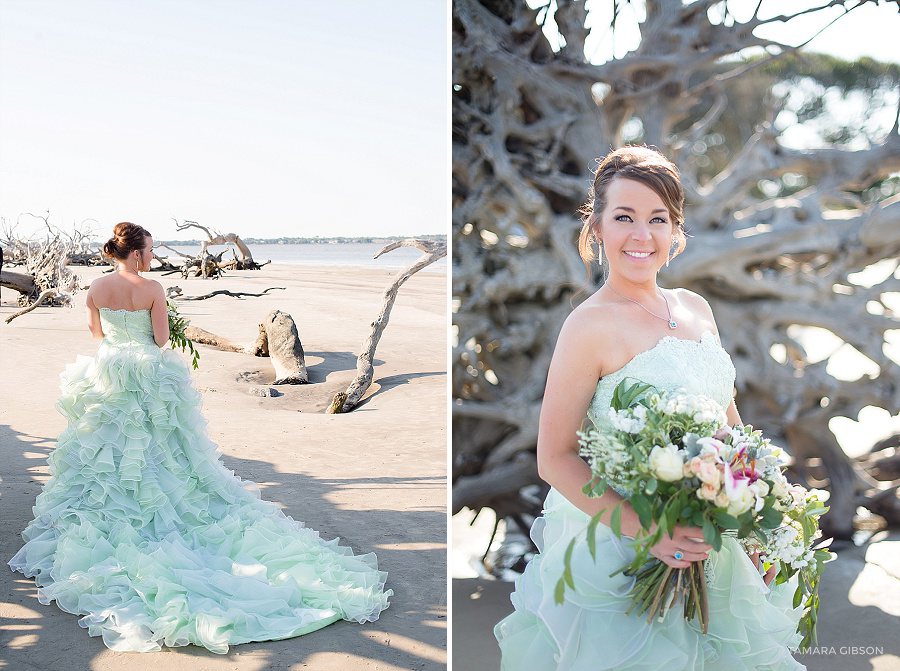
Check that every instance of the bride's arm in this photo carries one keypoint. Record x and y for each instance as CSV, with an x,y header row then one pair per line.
x,y
571,381
731,414
93,317
159,317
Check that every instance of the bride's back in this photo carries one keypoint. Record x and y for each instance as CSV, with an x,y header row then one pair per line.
x,y
122,291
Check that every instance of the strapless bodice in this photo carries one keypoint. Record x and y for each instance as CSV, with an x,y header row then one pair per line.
x,y
698,367
126,326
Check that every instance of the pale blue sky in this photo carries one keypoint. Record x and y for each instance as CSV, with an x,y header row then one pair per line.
x,y
263,118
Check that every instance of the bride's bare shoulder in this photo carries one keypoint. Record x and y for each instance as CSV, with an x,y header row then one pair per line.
x,y
695,303
596,329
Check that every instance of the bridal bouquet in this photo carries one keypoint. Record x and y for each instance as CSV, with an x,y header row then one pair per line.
x,y
677,462
177,338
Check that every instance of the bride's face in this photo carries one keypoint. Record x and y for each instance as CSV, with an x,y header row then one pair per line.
x,y
636,230
145,256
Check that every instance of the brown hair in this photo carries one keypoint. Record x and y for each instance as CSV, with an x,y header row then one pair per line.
x,y
127,237
642,164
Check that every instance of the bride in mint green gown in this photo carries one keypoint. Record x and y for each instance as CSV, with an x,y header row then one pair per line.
x,y
632,329
143,531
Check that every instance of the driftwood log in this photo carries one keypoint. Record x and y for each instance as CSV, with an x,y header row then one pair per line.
x,y
245,262
278,339
364,369
225,292
778,233
199,335
46,275
21,282
47,293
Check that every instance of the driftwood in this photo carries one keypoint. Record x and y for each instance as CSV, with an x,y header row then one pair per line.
x,y
245,262
47,293
206,338
46,276
278,339
364,369
336,404
282,342
225,292
531,113
21,282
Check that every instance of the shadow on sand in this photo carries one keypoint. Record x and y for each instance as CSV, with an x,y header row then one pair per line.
x,y
410,544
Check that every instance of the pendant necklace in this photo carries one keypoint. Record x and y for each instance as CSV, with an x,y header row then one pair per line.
x,y
671,322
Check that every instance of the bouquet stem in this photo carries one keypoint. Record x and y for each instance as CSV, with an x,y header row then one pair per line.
x,y
658,588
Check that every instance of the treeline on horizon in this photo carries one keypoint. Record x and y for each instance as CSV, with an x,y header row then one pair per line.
x,y
316,240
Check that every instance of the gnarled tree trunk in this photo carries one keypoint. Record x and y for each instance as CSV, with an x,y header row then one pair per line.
x,y
778,233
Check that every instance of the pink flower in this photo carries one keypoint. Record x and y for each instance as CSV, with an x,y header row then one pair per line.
x,y
709,474
707,491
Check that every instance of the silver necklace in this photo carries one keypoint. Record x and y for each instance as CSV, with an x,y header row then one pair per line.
x,y
671,322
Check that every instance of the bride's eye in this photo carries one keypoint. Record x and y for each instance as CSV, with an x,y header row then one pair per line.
x,y
623,217
658,220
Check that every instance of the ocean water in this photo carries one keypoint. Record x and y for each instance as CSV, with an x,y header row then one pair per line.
x,y
353,254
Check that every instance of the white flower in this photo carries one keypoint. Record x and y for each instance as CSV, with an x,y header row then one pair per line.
x,y
624,420
780,486
666,463
821,495
710,447
740,499
760,488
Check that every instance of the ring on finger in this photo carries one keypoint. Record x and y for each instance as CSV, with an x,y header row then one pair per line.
x,y
678,556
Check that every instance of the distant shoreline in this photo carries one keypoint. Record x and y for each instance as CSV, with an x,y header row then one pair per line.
x,y
316,240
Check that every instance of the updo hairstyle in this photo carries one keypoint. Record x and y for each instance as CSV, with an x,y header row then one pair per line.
x,y
127,238
644,165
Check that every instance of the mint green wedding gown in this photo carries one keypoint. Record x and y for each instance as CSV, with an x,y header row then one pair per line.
x,y
751,627
144,532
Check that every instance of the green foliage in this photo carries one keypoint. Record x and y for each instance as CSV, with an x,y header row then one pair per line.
x,y
177,338
817,91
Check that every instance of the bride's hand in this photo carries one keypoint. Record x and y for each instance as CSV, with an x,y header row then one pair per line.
x,y
686,543
770,574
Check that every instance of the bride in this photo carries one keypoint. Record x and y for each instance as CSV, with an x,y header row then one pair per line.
x,y
632,328
141,529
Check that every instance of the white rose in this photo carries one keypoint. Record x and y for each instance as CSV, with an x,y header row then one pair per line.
x,y
779,487
740,500
666,463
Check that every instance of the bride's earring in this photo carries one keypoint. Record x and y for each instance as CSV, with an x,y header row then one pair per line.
x,y
672,249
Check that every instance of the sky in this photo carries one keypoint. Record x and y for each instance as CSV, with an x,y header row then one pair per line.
x,y
265,118
869,30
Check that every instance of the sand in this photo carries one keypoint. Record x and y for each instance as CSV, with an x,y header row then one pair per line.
x,y
374,477
857,630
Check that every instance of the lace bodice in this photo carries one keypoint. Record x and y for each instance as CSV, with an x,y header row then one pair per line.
x,y
672,363
126,326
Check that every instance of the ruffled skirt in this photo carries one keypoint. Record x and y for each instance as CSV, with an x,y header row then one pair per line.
x,y
751,627
143,531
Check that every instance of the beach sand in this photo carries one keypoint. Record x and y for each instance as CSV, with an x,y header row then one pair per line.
x,y
374,477
859,605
